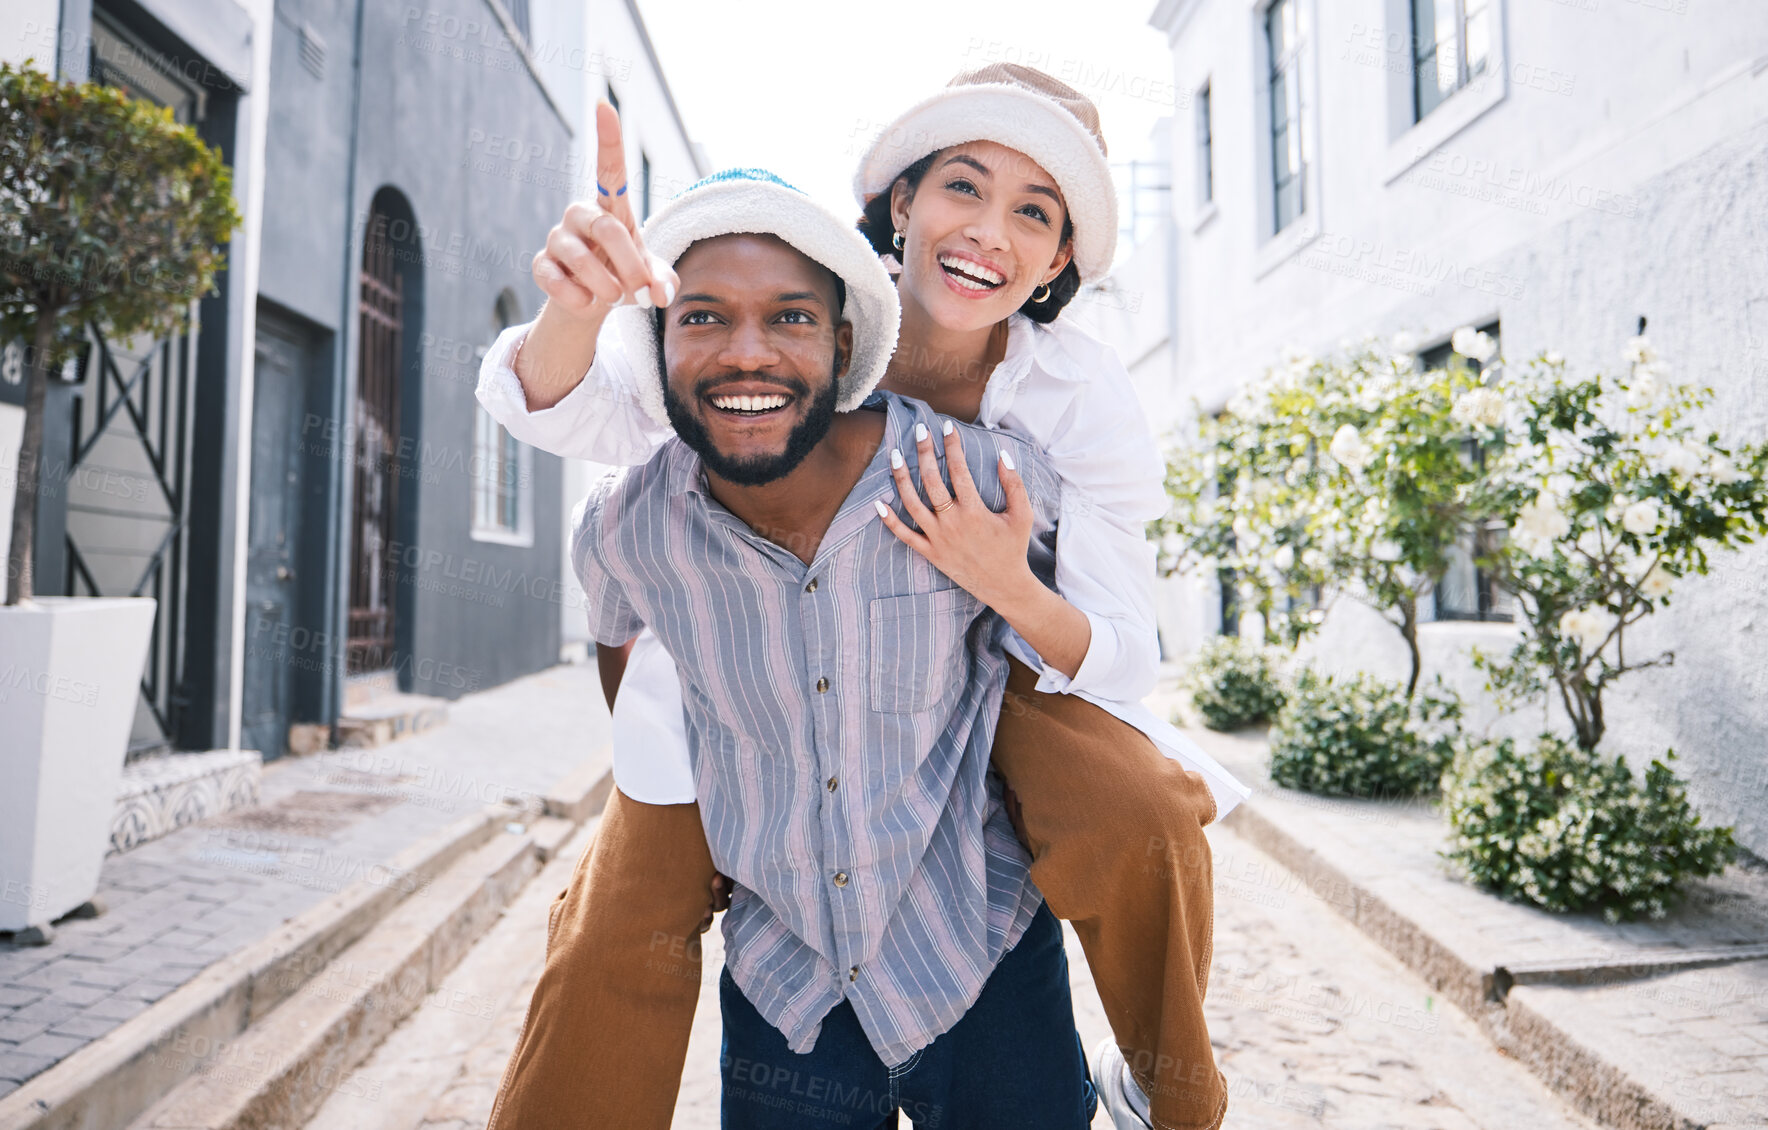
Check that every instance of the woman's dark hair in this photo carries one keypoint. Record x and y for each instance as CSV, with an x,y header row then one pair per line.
x,y
876,224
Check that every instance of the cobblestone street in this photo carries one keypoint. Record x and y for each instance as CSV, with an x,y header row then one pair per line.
x,y
1313,1024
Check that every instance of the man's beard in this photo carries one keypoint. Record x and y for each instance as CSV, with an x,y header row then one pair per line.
x,y
753,470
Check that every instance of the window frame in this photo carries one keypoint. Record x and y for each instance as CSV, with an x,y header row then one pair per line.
x,y
1205,147
494,449
1413,139
1273,247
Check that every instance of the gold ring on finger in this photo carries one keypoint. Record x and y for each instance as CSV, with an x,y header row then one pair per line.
x,y
942,507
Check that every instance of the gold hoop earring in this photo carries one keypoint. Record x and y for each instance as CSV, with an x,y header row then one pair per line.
x,y
897,241
1042,294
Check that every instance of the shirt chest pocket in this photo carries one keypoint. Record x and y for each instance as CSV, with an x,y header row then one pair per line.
x,y
917,648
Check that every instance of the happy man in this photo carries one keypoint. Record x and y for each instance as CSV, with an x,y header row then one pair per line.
x,y
885,947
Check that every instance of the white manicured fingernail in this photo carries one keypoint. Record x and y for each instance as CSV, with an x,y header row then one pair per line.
x,y
947,429
920,432
643,297
1007,461
896,459
883,510
668,292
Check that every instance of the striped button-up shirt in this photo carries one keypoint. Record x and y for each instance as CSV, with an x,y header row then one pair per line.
x,y
840,716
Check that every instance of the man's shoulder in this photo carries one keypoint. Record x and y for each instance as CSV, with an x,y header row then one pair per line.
x,y
622,490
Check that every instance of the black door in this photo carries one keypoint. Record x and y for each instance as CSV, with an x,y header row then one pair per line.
x,y
277,644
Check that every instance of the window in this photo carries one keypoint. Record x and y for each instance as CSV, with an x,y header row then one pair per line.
x,y
500,464
1451,46
1465,591
644,182
1205,153
1288,146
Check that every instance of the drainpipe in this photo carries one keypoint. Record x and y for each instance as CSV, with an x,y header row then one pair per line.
x,y
339,534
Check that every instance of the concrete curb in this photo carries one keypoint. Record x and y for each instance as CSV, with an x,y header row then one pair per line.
x,y
470,869
1580,1074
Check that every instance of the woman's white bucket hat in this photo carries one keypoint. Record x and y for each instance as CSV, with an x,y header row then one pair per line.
x,y
754,200
1024,109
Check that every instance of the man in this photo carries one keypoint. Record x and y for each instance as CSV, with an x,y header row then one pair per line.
x,y
885,948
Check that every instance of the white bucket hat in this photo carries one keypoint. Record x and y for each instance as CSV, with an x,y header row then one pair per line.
x,y
1024,109
754,200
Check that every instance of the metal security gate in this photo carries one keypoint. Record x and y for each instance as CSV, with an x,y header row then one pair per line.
x,y
376,430
128,501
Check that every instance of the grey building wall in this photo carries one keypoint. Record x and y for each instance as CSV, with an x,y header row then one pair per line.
x,y
473,613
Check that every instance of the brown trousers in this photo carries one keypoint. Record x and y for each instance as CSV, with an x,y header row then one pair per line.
x,y
1115,830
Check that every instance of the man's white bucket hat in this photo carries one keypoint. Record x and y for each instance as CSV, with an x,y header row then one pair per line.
x,y
1024,109
756,201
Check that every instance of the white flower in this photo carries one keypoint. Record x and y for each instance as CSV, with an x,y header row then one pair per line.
x,y
1656,584
1385,550
1682,460
1480,408
1284,557
1349,449
1172,545
1641,517
1473,344
1313,559
1639,351
1297,358
1404,343
1645,386
1554,357
1723,470
1559,486
1538,525
1589,625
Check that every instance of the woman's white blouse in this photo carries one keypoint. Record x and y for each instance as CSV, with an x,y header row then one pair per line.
x,y
1066,392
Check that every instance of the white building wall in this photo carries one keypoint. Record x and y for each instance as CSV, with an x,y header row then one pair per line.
x,y
1613,166
584,49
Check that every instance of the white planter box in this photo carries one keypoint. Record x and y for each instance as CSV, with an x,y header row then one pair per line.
x,y
70,671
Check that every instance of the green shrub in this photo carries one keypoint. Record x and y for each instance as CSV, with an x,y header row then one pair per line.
x,y
1234,684
1567,829
1360,736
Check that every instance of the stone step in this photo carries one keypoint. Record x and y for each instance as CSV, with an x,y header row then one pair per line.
x,y
164,792
389,717
376,939
284,1066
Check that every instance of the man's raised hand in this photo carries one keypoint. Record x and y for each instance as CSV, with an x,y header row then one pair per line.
x,y
594,258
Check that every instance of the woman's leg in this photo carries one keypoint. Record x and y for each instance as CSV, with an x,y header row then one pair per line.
x,y
607,1030
1116,836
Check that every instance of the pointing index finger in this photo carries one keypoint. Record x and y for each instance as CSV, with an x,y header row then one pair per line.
x,y
610,167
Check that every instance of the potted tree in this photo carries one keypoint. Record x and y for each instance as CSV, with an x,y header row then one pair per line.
x,y
111,215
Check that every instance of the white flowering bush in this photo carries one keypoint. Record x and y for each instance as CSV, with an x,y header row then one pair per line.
x,y
1612,494
1567,829
1361,736
1339,475
1234,683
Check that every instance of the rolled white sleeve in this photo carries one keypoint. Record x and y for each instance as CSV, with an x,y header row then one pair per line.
x,y
1107,572
1080,404
600,420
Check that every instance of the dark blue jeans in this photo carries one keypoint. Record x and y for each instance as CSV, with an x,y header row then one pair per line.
x,y
1013,1062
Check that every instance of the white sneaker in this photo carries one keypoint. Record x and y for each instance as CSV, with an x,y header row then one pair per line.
x,y
1118,1089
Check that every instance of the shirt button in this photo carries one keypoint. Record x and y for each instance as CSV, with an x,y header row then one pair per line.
x,y
853,974
840,878
811,587
822,686
832,784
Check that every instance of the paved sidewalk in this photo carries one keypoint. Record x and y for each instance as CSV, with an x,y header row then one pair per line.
x,y
1313,1024
179,903
1649,1024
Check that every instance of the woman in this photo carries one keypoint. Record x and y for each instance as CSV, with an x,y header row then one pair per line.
x,y
994,200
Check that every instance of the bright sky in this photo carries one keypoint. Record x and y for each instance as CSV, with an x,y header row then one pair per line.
x,y
800,86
